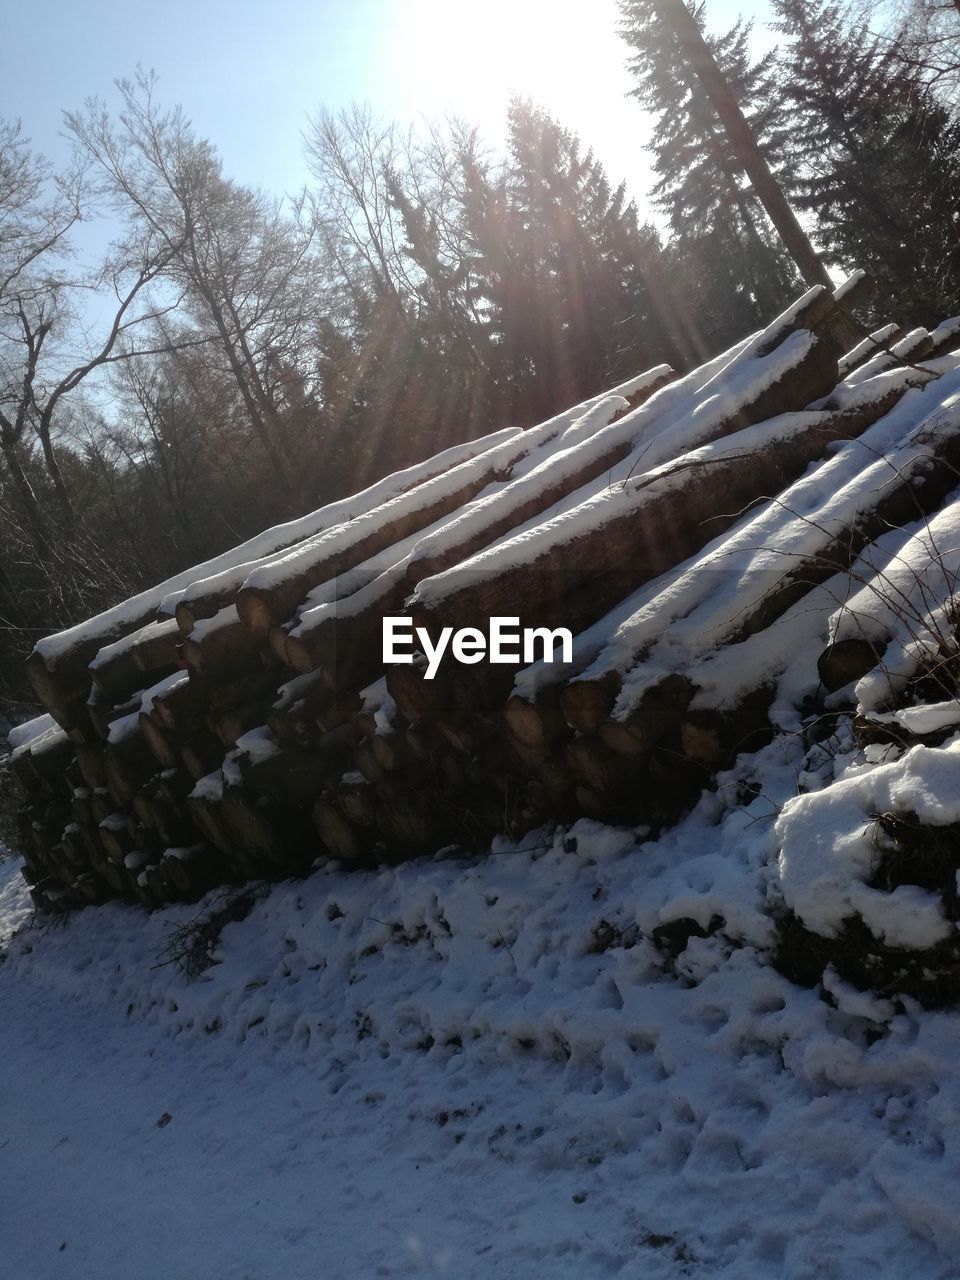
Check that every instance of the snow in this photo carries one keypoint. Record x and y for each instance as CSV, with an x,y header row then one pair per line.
x,y
161,689
37,736
209,787
524,445
946,331
675,420
859,1004
572,1056
575,450
22,735
867,347
183,853
226,617
929,718
132,613
588,644
257,745
482,1068
114,822
848,285
294,690
152,631
666,433
230,770
123,727
598,415
851,394
829,848
905,349
710,591
719,400
899,601
622,493
703,603
375,582
374,697
341,539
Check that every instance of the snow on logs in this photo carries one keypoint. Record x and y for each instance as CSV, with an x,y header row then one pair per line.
x,y
236,722
900,468
58,664
901,621
272,591
866,872
691,671
567,571
688,467
339,624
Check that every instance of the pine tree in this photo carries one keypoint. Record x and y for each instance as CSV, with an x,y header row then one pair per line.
x,y
877,159
573,286
724,249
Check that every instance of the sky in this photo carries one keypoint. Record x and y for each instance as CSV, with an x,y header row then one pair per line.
x,y
249,74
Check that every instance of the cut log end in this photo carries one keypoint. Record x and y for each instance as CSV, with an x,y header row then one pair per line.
x,y
185,616
255,611
587,703
845,661
293,651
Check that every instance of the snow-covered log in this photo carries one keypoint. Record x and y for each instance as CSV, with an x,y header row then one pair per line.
x,y
271,592
568,571
903,614
675,525
881,338
899,468
221,647
119,668
58,664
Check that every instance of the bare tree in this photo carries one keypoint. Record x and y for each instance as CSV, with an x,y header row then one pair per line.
x,y
926,42
244,260
37,213
352,155
45,354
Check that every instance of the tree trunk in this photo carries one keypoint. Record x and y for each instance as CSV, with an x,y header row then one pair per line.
x,y
678,18
53,470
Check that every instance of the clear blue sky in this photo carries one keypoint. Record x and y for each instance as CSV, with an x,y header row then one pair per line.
x,y
248,74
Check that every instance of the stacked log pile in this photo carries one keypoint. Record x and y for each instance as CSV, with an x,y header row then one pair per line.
x,y
868,866
238,722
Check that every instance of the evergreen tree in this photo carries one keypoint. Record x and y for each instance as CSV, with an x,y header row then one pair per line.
x,y
725,254
877,159
573,289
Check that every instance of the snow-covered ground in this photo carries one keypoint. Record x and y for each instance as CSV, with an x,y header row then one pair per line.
x,y
490,1069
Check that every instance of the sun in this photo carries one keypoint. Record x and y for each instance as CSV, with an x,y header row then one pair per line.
x,y
468,59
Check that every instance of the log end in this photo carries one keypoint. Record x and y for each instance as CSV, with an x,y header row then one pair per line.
x,y
293,651
845,661
185,616
524,722
587,703
253,606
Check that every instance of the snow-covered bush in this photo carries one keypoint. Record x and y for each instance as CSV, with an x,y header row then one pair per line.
x,y
867,874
